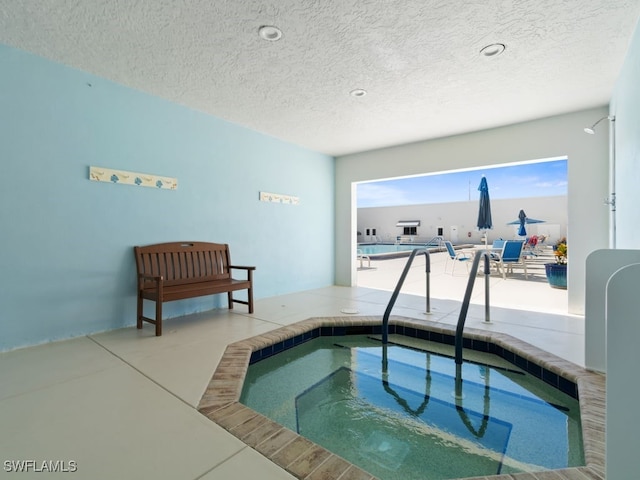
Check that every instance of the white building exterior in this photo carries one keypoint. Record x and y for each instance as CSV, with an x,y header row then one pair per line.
x,y
457,220
553,137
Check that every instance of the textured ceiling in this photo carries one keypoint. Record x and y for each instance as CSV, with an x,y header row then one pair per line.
x,y
418,60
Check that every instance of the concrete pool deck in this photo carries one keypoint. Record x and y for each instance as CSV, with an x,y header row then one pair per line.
x,y
528,309
123,403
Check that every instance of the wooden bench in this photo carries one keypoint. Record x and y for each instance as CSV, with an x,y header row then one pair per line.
x,y
180,270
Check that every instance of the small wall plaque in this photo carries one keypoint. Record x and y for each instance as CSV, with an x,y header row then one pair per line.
x,y
278,198
99,174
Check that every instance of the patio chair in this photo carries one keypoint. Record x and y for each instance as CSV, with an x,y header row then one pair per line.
x,y
530,246
456,257
540,245
510,256
360,256
498,243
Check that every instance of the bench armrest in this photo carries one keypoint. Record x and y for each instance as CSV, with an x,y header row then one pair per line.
x,y
249,271
144,276
242,267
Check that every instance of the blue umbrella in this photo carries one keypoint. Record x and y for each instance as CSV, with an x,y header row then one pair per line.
x,y
484,212
522,232
522,221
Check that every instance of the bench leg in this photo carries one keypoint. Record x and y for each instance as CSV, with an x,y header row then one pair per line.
x,y
230,300
250,299
158,318
140,303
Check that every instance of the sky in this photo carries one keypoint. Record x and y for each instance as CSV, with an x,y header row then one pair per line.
x,y
539,179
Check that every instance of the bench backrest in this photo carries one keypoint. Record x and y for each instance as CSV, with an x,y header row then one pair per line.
x,y
184,262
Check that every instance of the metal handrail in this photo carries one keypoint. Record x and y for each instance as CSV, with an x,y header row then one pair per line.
x,y
463,313
398,398
437,239
394,295
486,402
467,299
417,412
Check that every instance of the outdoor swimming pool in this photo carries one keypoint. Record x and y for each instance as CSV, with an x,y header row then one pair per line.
x,y
373,249
406,422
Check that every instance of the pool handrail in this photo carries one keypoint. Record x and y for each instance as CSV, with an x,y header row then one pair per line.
x,y
462,318
398,398
437,240
396,291
458,396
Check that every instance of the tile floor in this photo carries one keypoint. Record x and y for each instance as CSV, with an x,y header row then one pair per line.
x,y
122,404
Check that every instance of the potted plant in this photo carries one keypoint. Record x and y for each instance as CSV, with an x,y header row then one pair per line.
x,y
557,271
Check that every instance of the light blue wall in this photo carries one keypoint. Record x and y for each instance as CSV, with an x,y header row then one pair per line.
x,y
66,257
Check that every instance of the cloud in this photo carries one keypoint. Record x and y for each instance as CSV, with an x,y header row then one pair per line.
x,y
547,184
378,195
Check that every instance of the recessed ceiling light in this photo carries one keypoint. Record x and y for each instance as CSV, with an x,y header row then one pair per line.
x,y
358,92
493,50
270,33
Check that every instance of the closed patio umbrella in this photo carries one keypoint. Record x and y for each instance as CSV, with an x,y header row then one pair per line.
x,y
484,210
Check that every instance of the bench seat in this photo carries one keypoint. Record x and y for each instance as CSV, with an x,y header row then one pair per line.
x,y
181,270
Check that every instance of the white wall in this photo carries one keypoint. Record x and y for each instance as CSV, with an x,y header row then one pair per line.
x,y
625,105
557,136
552,209
601,266
623,355
622,432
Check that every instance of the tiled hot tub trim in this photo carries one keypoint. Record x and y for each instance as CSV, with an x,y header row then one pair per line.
x,y
306,460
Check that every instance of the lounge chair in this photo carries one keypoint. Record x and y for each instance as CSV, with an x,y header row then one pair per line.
x,y
456,257
510,256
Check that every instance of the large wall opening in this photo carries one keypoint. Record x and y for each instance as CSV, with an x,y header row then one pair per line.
x,y
446,203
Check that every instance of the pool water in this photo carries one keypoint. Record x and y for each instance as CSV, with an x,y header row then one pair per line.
x,y
407,422
376,249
